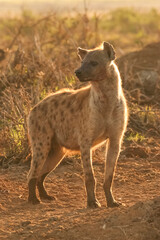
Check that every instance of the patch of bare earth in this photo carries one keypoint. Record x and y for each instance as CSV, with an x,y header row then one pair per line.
x,y
136,185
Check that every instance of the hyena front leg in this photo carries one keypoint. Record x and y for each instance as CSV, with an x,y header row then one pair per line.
x,y
111,159
90,184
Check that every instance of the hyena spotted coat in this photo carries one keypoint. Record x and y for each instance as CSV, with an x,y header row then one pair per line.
x,y
79,120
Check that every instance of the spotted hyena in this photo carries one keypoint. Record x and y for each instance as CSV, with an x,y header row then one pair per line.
x,y
79,120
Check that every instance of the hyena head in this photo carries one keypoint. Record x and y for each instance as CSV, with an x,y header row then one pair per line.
x,y
95,62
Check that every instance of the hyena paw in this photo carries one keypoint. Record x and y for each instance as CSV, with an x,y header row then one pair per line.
x,y
47,197
33,201
113,204
93,204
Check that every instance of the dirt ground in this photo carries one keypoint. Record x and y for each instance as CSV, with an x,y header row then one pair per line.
x,y
136,185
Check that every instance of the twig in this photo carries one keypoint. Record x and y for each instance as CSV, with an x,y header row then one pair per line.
x,y
148,111
30,26
15,37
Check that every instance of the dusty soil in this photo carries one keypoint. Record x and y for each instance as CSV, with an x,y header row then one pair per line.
x,y
136,185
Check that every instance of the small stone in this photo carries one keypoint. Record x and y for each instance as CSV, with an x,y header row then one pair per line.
x,y
104,227
53,219
25,223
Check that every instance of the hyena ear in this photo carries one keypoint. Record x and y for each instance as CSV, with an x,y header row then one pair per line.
x,y
81,52
109,50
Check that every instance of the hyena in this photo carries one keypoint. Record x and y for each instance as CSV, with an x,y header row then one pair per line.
x,y
78,120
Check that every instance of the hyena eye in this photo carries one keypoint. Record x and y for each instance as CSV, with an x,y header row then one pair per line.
x,y
94,63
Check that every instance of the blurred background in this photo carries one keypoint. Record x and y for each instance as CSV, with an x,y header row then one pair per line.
x,y
15,6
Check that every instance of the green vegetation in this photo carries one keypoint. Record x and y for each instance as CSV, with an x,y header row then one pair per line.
x,y
135,137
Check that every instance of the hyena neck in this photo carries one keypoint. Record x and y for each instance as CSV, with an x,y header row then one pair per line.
x,y
109,88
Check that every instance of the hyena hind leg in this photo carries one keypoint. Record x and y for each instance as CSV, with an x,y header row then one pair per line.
x,y
39,156
36,166
55,155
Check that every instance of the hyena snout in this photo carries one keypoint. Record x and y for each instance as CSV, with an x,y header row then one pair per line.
x,y
78,72
81,74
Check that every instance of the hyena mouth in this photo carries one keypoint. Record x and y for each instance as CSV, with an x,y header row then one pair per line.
x,y
85,79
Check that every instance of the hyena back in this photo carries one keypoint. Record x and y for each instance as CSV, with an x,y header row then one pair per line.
x,y
79,120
